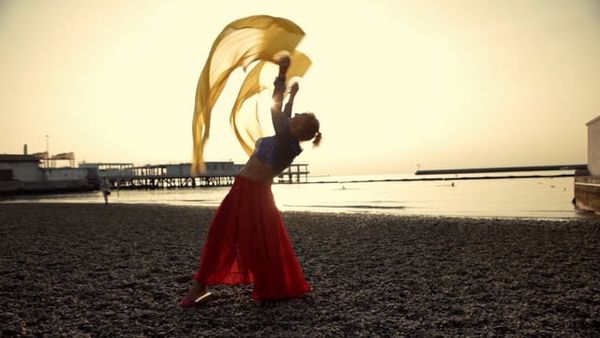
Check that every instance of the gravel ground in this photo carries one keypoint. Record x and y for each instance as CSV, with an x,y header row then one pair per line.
x,y
87,270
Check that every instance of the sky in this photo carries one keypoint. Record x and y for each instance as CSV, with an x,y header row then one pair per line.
x,y
396,85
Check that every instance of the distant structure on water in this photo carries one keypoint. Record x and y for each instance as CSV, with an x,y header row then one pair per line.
x,y
587,182
151,176
587,176
128,176
37,173
23,174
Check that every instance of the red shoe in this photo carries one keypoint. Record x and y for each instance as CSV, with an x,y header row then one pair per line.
x,y
187,303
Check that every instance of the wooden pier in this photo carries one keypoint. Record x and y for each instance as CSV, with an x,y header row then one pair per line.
x,y
296,173
169,176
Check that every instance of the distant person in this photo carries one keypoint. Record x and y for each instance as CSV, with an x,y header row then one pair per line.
x,y
105,187
247,242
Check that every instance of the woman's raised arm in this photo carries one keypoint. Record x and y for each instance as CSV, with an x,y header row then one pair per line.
x,y
287,111
277,115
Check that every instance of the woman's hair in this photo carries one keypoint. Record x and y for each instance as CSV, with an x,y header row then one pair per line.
x,y
311,127
317,139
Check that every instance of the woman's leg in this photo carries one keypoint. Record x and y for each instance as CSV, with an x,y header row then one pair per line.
x,y
268,252
278,273
218,263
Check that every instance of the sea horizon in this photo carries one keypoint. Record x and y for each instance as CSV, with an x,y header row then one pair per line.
x,y
543,197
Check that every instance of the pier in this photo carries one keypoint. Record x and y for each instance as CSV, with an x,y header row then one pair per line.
x,y
502,169
168,176
295,173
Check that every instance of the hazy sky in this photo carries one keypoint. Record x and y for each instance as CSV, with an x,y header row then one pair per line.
x,y
394,83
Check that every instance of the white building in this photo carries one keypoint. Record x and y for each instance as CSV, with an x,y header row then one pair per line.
x,y
66,174
212,169
23,168
594,146
114,171
587,187
22,174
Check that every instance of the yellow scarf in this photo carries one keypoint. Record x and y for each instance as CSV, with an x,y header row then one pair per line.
x,y
242,42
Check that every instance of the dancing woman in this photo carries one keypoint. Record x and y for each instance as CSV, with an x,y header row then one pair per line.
x,y
247,242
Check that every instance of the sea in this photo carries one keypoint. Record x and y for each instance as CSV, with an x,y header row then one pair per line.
x,y
404,194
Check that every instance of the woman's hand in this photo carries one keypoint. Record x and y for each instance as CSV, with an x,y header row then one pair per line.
x,y
294,89
284,64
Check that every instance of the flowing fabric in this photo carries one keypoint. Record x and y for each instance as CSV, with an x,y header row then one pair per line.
x,y
247,129
247,244
257,38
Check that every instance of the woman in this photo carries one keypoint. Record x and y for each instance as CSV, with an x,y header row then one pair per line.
x,y
247,242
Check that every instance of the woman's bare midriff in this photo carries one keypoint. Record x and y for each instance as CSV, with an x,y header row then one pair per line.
x,y
258,171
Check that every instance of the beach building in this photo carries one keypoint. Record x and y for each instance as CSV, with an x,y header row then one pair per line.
x,y
37,173
179,175
594,146
587,186
22,173
23,168
113,171
220,168
68,174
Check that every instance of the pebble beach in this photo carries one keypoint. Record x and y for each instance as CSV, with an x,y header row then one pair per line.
x,y
118,270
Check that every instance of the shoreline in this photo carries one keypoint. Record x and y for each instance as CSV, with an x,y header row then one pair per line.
x,y
579,214
529,198
119,270
12,189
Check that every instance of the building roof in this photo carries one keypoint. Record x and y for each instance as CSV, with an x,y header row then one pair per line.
x,y
597,119
18,158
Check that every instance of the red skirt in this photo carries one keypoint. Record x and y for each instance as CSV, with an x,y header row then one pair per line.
x,y
247,244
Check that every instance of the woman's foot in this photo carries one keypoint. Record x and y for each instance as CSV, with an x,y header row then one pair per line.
x,y
187,303
196,295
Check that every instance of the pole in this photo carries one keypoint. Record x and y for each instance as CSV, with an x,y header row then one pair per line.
x,y
47,151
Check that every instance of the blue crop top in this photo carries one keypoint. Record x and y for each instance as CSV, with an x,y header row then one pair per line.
x,y
278,151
